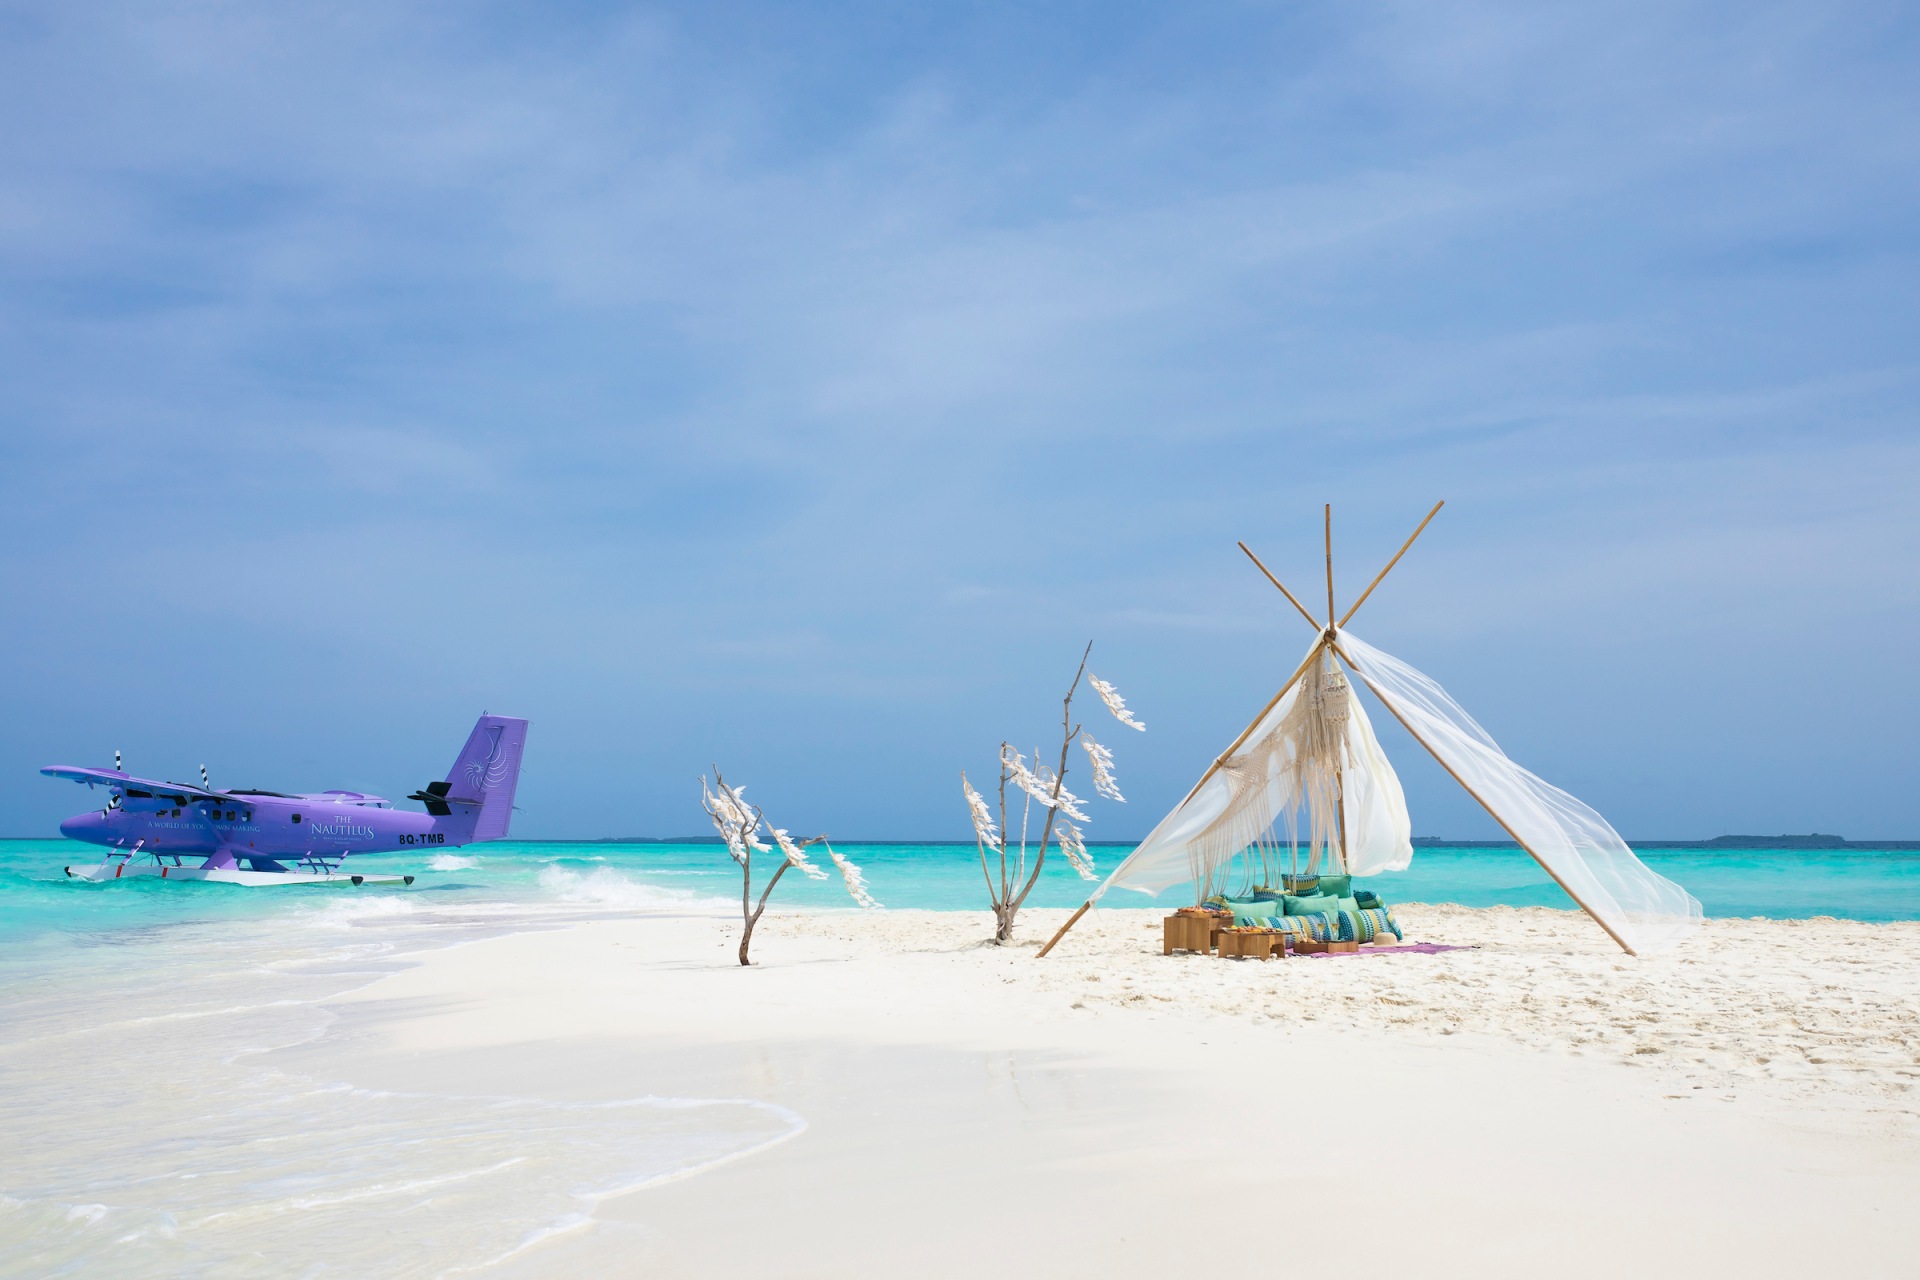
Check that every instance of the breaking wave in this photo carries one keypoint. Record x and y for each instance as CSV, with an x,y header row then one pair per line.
x,y
603,886
450,862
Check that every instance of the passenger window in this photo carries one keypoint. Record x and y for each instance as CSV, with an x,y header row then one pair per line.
x,y
176,813
229,815
296,817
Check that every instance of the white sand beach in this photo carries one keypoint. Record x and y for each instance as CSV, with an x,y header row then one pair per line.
x,y
1744,1105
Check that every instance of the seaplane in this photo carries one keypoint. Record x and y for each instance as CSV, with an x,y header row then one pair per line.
x,y
251,837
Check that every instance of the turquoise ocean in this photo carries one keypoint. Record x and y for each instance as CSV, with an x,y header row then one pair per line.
x,y
37,900
162,1111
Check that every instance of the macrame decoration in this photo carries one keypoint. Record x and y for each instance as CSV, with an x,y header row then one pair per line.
x,y
1293,766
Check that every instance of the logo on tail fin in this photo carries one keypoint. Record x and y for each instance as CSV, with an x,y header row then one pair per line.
x,y
488,773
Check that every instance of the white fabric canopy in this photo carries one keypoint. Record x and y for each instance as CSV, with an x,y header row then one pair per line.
x,y
1643,910
1242,799
1238,802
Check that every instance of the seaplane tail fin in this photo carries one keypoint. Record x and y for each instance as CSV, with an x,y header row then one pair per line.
x,y
485,774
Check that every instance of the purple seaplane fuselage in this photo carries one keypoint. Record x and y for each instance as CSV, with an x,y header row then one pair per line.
x,y
232,833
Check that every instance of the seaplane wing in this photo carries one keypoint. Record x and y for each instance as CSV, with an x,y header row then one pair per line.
x,y
129,785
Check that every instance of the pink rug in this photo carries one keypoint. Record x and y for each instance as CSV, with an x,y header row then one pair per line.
x,y
1418,948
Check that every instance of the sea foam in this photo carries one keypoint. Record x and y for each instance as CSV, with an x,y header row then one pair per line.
x,y
603,886
287,1165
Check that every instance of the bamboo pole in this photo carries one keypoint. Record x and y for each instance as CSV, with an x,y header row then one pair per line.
x,y
1388,704
1339,774
1396,560
1311,620
1072,920
1329,566
1340,813
1212,769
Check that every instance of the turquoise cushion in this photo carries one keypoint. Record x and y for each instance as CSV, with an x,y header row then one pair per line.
x,y
1335,886
1254,912
1347,904
1367,899
1267,895
1313,906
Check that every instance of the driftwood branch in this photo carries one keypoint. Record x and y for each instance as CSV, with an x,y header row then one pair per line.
x,y
1069,731
1010,893
747,820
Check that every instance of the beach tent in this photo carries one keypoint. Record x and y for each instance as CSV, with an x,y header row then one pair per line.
x,y
1312,750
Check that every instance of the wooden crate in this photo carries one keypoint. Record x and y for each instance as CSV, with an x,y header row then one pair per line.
x,y
1186,933
1253,944
1209,922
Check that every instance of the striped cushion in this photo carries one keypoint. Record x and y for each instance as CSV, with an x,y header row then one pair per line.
x,y
1320,928
1369,923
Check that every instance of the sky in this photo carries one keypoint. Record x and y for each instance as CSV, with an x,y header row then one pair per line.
x,y
798,389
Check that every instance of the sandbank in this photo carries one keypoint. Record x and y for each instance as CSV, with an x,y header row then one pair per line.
x,y
1743,1104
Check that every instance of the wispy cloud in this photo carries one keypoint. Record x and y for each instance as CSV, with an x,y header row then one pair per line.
x,y
669,348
